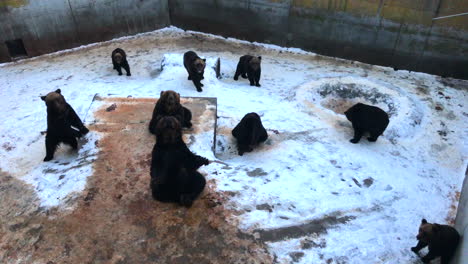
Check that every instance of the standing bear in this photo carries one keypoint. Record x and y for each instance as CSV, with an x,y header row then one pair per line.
x,y
249,133
367,118
174,175
249,67
119,60
195,67
441,239
63,124
169,105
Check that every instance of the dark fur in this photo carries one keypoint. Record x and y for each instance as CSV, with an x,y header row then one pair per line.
x,y
169,105
249,67
61,123
195,67
367,118
249,133
442,241
174,175
122,63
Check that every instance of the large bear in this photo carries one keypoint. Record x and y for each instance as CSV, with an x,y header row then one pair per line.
x,y
367,118
195,67
169,105
441,239
249,67
119,60
63,124
174,175
249,133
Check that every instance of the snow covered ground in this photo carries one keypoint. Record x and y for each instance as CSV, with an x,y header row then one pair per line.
x,y
308,193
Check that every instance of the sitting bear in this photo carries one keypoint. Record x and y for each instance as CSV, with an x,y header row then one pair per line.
x,y
367,118
249,67
441,239
174,176
61,123
249,132
119,60
169,105
195,67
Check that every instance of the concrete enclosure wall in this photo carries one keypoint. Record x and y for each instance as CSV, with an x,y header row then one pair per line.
x,y
396,33
52,25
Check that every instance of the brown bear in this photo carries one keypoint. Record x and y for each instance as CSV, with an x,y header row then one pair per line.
x,y
119,60
174,175
249,67
249,133
367,118
169,105
63,124
195,67
441,239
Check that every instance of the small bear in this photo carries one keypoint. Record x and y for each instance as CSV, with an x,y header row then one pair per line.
x,y
441,239
367,118
119,60
249,67
174,175
63,124
169,105
249,133
195,67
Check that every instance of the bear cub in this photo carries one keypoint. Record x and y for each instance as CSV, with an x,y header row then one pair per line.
x,y
367,118
249,67
169,105
63,124
195,67
249,133
174,175
441,239
119,60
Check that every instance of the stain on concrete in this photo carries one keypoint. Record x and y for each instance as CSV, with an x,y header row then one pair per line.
x,y
13,3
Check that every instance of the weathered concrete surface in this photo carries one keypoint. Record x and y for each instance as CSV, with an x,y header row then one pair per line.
x,y
399,34
461,224
47,26
115,219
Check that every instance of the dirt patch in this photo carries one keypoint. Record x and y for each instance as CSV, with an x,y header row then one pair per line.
x,y
452,214
318,226
116,220
258,172
340,97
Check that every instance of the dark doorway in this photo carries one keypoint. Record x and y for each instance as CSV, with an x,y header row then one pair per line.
x,y
16,48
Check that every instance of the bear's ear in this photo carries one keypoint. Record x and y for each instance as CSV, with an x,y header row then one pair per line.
x,y
204,60
435,227
43,98
161,93
58,91
260,57
424,221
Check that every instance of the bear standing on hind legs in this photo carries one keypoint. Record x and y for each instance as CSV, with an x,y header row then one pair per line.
x,y
441,239
195,67
249,67
174,175
249,133
61,123
367,118
119,60
169,105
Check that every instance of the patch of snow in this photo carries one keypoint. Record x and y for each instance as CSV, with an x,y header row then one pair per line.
x,y
306,170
